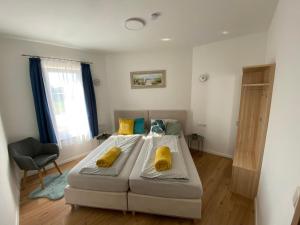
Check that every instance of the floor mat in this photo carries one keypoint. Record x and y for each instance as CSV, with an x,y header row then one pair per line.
x,y
54,187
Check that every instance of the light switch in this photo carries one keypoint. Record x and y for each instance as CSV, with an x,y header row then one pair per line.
x,y
296,197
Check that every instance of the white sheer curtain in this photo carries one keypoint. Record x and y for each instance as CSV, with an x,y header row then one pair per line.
x,y
64,91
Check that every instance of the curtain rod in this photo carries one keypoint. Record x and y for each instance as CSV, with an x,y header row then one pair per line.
x,y
45,57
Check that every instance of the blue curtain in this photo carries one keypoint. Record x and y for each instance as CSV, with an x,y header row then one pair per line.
x,y
45,125
90,98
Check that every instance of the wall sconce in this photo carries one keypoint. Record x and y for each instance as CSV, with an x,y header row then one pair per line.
x,y
203,77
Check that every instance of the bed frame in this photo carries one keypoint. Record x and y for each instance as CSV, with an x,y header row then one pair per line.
x,y
185,208
97,199
129,201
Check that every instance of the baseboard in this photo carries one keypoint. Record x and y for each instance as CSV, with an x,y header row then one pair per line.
x,y
18,214
72,158
255,211
17,193
218,153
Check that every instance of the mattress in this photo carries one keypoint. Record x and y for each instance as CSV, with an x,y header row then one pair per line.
x,y
104,183
178,171
191,189
125,142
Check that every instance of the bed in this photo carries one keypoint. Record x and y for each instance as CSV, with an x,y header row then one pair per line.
x,y
98,191
128,191
180,199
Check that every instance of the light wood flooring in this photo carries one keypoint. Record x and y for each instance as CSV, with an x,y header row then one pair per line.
x,y
220,206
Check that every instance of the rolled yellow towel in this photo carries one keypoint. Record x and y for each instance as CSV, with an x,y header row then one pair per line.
x,y
163,158
107,159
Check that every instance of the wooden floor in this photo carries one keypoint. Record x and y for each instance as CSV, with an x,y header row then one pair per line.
x,y
220,206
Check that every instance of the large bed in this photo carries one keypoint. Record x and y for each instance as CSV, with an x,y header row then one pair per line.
x,y
129,191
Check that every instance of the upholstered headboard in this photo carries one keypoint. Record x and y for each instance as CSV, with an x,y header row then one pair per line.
x,y
130,114
180,115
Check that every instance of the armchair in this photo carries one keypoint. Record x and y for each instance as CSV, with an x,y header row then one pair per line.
x,y
30,154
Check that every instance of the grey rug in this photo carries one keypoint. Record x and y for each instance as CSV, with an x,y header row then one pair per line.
x,y
54,187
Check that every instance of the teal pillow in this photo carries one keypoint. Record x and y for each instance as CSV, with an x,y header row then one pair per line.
x,y
173,128
139,126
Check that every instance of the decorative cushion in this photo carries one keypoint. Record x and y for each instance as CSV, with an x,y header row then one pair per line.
x,y
139,126
126,126
158,127
173,128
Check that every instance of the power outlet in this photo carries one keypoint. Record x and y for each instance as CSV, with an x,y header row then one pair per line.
x,y
296,197
201,124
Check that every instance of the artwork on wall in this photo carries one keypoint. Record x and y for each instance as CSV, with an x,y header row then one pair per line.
x,y
148,79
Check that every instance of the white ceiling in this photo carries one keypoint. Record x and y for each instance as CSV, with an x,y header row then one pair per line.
x,y
99,24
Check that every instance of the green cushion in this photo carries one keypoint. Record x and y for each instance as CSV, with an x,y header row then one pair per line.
x,y
158,127
173,128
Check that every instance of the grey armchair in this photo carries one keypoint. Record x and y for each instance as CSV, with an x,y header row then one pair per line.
x,y
30,154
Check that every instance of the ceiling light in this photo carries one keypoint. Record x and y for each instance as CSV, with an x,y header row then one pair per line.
x,y
225,32
166,39
134,24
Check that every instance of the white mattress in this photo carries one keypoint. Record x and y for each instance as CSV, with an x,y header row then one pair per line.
x,y
192,189
178,171
104,183
125,142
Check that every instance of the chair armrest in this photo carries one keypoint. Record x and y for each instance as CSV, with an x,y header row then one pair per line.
x,y
26,162
50,149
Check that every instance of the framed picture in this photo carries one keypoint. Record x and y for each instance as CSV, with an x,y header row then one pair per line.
x,y
148,79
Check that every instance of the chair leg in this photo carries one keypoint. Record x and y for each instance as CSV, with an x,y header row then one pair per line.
x,y
24,179
41,179
56,166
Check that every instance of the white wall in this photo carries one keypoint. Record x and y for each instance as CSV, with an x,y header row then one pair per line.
x,y
16,100
280,173
176,95
215,103
9,189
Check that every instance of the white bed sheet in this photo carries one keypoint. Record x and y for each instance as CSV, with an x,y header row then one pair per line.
x,y
104,183
178,171
192,189
125,142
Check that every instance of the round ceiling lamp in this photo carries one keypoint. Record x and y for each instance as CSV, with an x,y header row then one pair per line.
x,y
134,24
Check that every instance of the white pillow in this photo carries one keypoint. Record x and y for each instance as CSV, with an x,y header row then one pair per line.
x,y
169,121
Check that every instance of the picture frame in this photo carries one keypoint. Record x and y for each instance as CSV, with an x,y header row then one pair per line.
x,y
148,79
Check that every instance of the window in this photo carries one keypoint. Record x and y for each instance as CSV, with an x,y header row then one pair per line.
x,y
65,96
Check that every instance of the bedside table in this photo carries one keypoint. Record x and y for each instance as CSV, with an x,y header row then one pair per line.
x,y
193,139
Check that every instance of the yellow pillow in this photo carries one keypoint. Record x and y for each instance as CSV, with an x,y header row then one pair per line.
x,y
126,126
